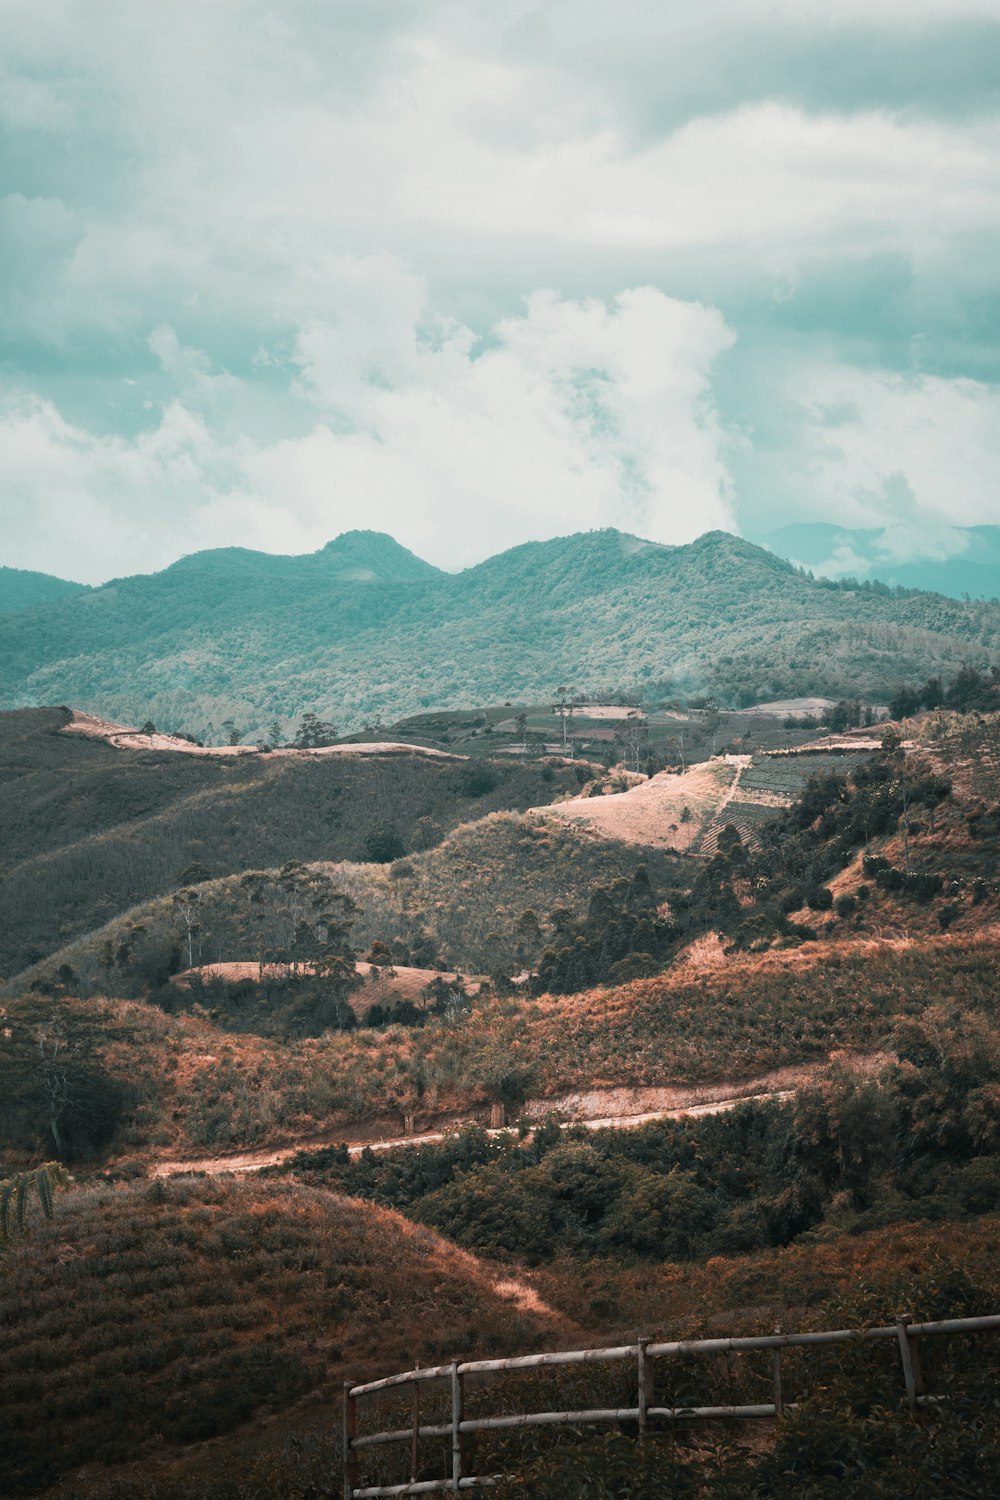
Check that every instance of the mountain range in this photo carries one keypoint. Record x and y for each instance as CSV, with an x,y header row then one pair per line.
x,y
364,628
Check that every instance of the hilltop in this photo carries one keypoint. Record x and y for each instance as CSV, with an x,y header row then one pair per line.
x,y
88,829
364,627
22,589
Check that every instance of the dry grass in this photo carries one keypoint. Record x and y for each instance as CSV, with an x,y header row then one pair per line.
x,y
652,813
206,1092
379,987
902,1267
125,738
168,1314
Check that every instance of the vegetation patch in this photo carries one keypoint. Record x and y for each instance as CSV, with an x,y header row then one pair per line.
x,y
157,1316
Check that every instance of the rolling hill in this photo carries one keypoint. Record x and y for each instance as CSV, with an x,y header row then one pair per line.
x,y
363,627
198,1307
87,829
22,589
850,959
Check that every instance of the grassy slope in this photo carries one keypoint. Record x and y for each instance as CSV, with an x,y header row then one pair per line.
x,y
261,1324
173,1313
465,895
184,648
196,1089
726,1019
668,811
916,1267
87,830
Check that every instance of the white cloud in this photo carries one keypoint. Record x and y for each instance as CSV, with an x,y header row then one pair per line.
x,y
576,415
919,455
253,151
311,182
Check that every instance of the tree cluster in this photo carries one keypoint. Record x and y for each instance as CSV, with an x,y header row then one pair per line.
x,y
621,937
968,690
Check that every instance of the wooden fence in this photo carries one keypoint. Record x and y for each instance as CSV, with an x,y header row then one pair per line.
x,y
904,1332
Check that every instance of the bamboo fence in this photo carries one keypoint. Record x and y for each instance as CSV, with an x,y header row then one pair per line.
x,y
904,1332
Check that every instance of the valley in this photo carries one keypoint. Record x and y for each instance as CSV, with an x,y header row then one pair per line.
x,y
485,1053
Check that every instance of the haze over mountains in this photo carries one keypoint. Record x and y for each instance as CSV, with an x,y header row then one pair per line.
x,y
364,628
969,564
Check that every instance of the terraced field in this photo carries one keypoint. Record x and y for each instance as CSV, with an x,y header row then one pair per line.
x,y
770,783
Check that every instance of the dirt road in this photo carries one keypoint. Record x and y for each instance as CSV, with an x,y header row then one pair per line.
x,y
594,1109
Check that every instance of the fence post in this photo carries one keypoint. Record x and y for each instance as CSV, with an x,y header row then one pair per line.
x,y
779,1405
910,1355
415,1439
457,1405
350,1433
645,1373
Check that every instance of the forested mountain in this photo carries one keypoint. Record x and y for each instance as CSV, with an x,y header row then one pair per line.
x,y
364,627
973,571
21,589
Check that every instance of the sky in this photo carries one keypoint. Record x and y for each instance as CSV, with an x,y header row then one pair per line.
x,y
477,274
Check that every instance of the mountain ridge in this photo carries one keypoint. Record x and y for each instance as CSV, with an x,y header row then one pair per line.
x,y
364,628
22,588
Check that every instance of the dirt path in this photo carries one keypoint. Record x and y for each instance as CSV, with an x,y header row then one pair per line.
x,y
124,738
594,1109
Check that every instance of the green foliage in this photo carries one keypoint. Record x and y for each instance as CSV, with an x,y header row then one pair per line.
x,y
314,733
923,1144
57,1092
621,937
21,589
748,891
363,628
970,689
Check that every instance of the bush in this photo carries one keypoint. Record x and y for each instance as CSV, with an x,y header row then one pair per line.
x,y
383,846
820,898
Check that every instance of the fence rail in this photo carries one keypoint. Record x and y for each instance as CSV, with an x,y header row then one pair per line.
x,y
904,1332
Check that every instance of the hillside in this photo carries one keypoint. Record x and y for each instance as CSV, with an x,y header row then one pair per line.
x,y
362,628
460,904
687,811
810,1069
138,1082
200,1307
22,589
87,830
851,1428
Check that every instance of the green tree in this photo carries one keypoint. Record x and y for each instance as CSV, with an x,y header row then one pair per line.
x,y
314,733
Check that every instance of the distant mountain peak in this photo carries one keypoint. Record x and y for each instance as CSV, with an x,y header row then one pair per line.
x,y
375,557
20,588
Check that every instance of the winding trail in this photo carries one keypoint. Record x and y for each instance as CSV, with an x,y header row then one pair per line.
x,y
620,1108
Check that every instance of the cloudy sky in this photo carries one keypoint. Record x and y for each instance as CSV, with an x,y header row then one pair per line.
x,y
475,273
